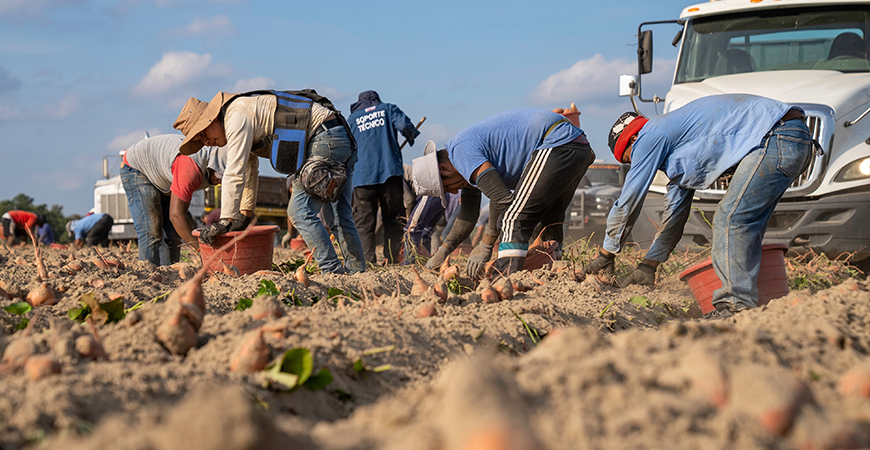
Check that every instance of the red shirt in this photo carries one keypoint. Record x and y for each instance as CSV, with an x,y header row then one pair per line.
x,y
186,177
23,219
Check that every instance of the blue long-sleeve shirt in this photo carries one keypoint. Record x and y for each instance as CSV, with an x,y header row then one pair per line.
x,y
374,129
82,226
693,146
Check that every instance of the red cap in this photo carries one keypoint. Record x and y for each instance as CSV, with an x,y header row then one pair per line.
x,y
630,130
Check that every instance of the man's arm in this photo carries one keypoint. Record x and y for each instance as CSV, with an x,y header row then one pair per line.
x,y
180,220
469,209
646,160
679,205
404,125
500,197
240,134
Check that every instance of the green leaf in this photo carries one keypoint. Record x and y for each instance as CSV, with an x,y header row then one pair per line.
x,y
244,303
267,287
20,308
332,292
640,300
319,381
297,361
359,366
22,324
114,309
79,314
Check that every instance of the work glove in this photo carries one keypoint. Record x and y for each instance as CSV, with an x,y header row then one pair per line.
x,y
438,258
477,259
603,263
644,275
240,222
209,233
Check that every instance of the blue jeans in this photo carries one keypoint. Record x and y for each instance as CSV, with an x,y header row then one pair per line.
x,y
334,144
743,213
150,211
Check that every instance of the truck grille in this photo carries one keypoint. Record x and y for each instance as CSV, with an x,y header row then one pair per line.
x,y
115,205
815,125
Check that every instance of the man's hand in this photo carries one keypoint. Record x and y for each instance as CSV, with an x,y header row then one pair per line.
x,y
602,264
209,233
438,258
644,275
240,223
478,258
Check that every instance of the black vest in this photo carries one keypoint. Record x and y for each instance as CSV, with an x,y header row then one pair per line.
x,y
287,146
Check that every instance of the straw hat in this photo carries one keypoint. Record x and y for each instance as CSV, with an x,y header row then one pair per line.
x,y
196,116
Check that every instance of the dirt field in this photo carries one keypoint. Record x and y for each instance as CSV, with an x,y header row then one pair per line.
x,y
618,368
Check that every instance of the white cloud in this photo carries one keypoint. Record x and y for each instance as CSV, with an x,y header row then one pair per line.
x,y
123,141
595,81
64,108
175,69
217,26
254,84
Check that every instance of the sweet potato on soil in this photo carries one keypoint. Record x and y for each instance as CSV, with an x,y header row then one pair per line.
x,y
176,332
504,288
427,310
420,287
253,354
440,290
88,347
40,366
18,352
41,295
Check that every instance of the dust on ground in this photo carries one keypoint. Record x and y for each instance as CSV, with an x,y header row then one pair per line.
x,y
567,364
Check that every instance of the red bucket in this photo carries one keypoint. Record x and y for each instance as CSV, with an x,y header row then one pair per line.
x,y
772,280
250,254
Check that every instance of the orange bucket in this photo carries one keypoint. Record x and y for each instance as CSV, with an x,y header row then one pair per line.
x,y
772,280
250,254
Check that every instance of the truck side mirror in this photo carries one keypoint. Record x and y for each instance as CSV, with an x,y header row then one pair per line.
x,y
644,52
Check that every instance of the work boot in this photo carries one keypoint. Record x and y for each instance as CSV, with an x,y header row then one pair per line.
x,y
725,310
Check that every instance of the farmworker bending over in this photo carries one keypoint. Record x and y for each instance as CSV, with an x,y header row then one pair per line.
x,y
159,183
377,180
45,235
301,133
538,154
16,223
763,142
92,229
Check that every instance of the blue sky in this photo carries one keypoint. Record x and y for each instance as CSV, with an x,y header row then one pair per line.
x,y
83,79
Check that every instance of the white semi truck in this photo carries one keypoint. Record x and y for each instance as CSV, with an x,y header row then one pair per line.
x,y
809,53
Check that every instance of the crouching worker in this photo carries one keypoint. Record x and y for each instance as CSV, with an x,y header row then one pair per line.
x,y
16,223
159,183
92,229
301,133
763,142
539,155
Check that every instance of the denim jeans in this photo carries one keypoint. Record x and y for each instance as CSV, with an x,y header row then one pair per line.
x,y
150,211
743,213
334,144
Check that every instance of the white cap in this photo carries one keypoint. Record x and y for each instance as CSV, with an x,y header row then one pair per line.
x,y
425,174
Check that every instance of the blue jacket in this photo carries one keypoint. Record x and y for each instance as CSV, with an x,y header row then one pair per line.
x,y
693,146
374,128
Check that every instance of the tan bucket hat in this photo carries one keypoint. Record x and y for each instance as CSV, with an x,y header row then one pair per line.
x,y
196,116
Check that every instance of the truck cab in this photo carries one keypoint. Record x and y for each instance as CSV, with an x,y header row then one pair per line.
x,y
808,53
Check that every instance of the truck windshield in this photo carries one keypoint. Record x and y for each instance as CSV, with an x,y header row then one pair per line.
x,y
604,174
780,39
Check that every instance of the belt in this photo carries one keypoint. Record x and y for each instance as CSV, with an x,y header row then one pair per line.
x,y
331,123
791,115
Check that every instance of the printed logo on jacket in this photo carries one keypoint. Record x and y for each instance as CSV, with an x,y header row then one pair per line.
x,y
371,120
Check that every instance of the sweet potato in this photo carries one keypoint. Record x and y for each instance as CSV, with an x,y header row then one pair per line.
x,y
253,354
18,352
88,347
41,295
420,287
489,295
176,333
504,288
427,310
40,366
301,274
440,290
